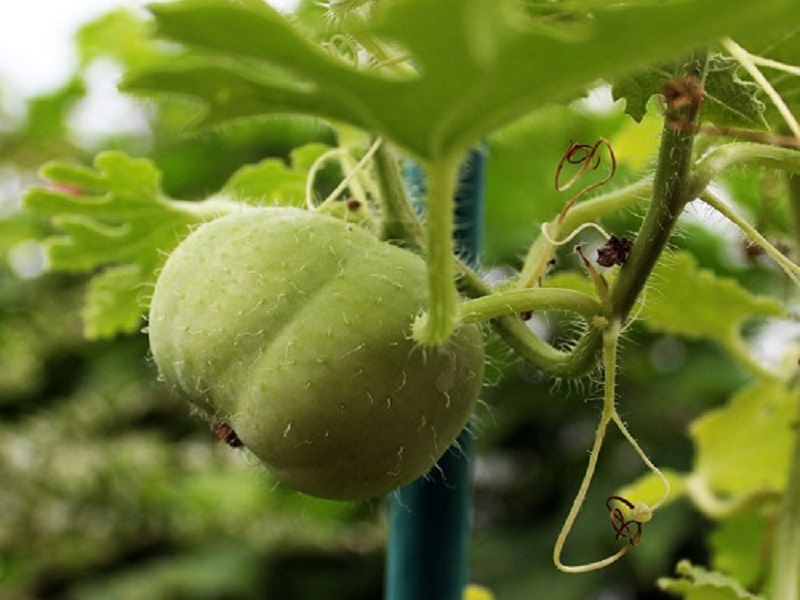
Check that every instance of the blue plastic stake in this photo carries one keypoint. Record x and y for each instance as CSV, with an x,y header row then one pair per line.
x,y
429,520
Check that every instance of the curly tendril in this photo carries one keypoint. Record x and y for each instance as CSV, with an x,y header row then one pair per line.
x,y
589,158
626,528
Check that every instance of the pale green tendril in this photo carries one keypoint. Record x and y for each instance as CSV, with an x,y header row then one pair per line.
x,y
640,511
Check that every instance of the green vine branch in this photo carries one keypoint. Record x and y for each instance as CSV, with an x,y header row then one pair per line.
x,y
671,193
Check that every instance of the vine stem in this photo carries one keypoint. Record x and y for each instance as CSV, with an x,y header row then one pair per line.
x,y
671,193
441,181
399,222
515,302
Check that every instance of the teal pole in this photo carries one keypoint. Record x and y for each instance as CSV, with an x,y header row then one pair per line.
x,y
429,520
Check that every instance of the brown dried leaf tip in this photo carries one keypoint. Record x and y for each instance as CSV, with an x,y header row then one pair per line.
x,y
683,97
225,433
614,252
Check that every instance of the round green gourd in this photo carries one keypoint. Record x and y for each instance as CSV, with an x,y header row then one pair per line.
x,y
293,328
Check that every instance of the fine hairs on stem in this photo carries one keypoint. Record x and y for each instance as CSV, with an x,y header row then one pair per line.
x,y
640,512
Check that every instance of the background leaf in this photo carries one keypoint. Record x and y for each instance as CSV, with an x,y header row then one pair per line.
x,y
745,446
697,583
115,217
675,304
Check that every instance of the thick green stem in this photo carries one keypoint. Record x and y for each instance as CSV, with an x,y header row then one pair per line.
x,y
442,296
671,193
519,301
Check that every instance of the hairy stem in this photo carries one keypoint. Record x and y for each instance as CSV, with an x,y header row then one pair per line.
x,y
514,302
441,179
610,339
743,153
671,193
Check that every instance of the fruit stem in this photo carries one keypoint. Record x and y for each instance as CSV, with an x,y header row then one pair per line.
x,y
441,183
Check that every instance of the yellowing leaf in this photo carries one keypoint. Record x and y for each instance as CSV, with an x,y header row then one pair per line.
x,y
477,592
686,300
745,446
650,489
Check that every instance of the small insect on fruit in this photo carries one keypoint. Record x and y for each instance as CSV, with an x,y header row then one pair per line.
x,y
225,433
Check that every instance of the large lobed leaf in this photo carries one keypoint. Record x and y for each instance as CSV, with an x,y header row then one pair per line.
x,y
678,303
113,219
480,64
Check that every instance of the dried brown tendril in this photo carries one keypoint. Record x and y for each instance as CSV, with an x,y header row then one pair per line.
x,y
589,158
624,528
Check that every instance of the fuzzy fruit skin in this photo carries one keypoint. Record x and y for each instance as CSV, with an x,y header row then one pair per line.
x,y
294,329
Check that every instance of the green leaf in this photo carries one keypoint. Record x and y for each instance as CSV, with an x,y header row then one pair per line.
x,y
697,583
113,218
728,100
110,306
675,305
480,64
638,88
745,446
121,36
738,545
271,181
